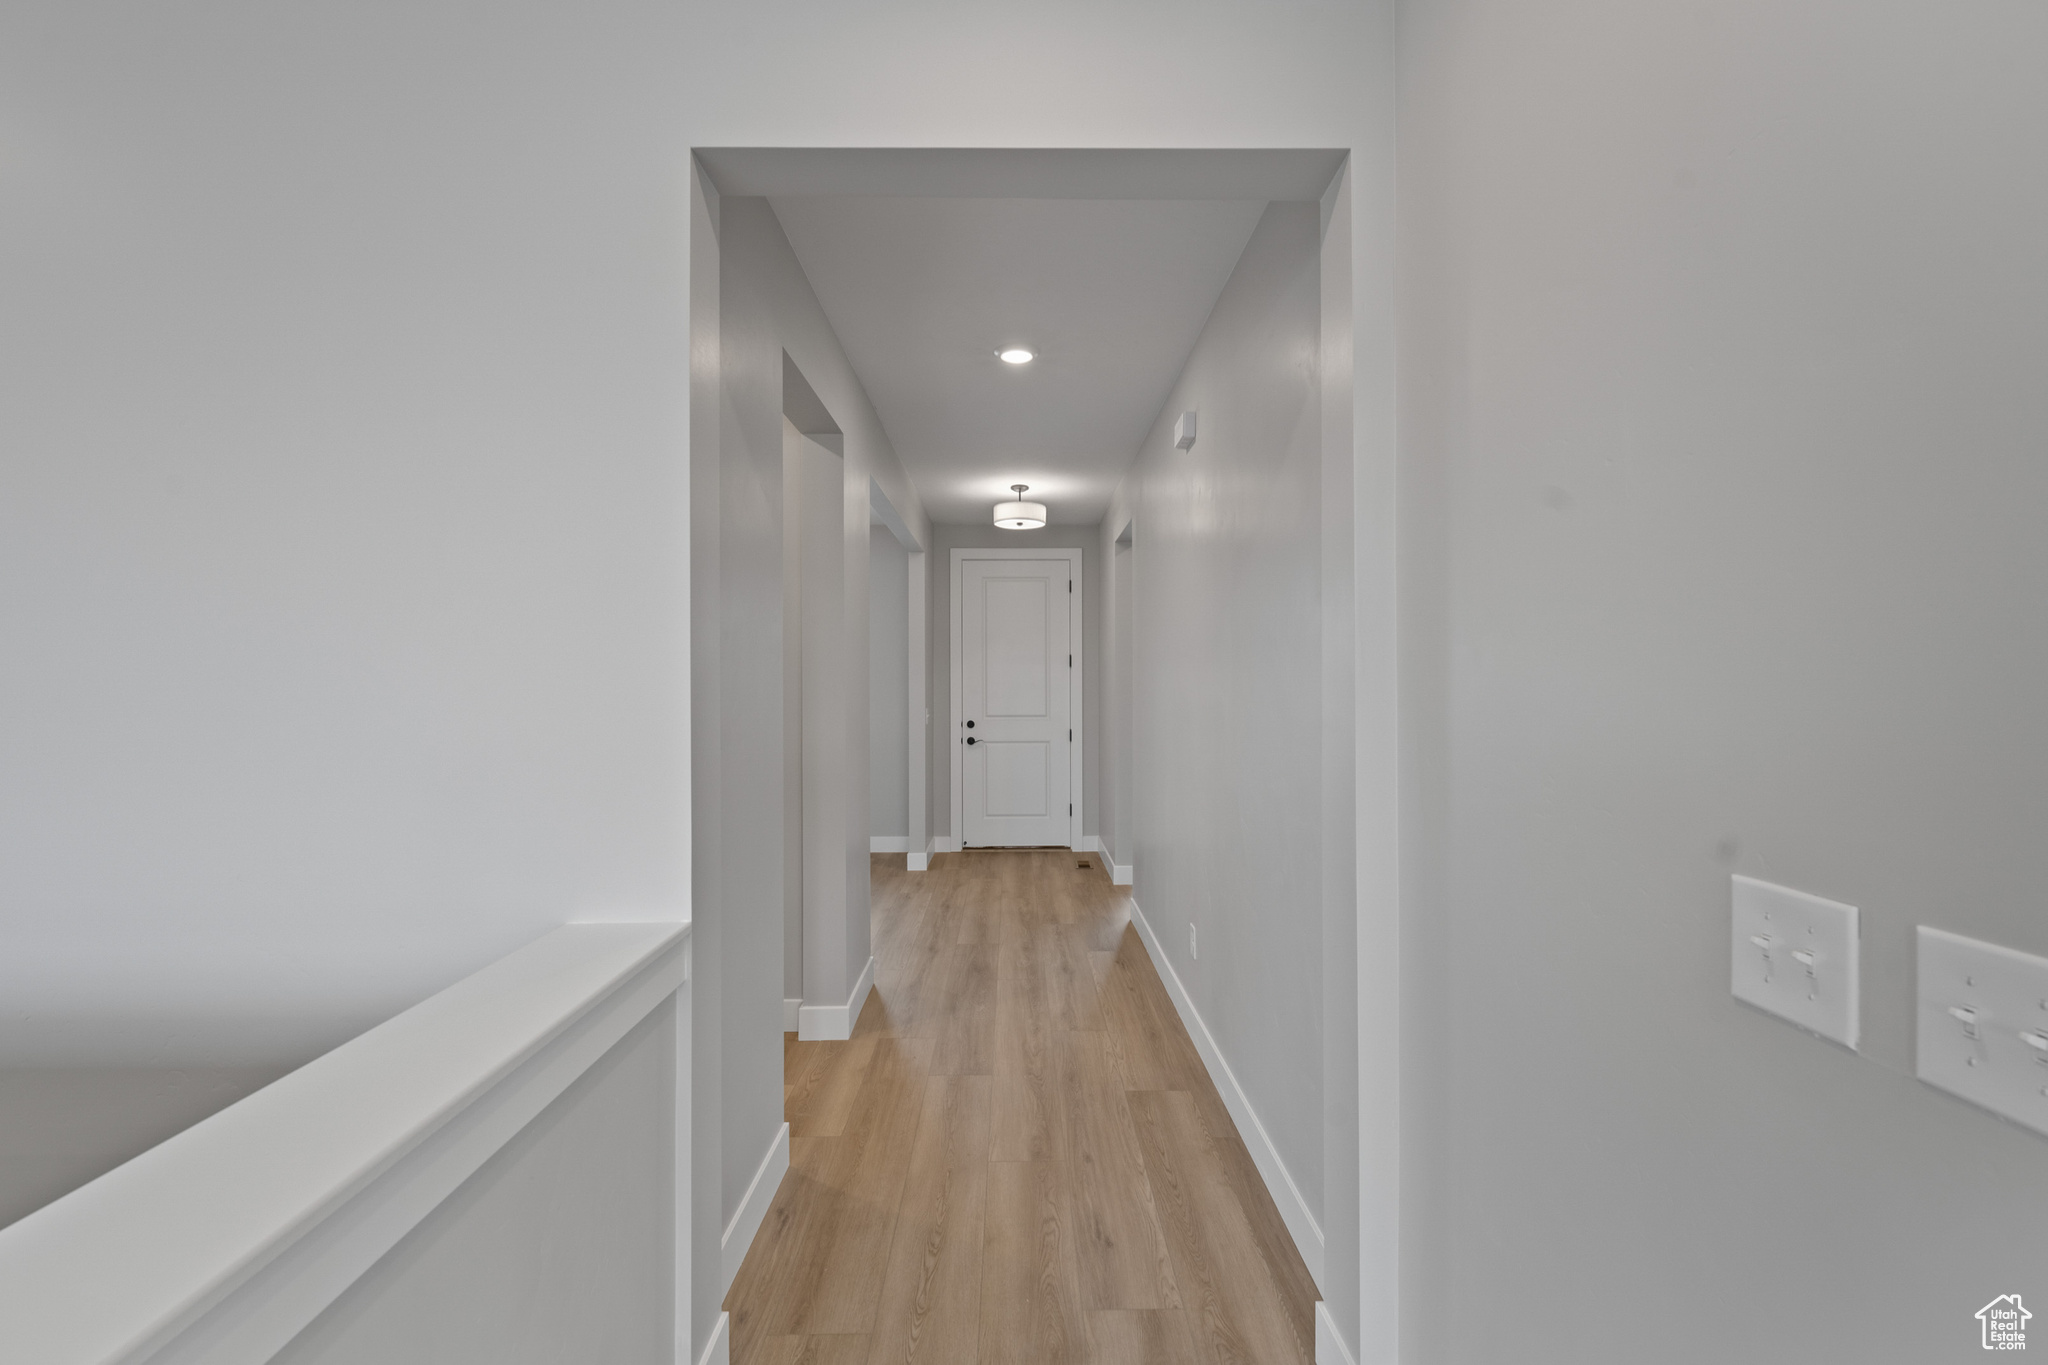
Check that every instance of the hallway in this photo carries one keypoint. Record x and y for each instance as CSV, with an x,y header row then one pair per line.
x,y
1018,1157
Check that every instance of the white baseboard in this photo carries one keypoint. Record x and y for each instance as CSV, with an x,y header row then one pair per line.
x,y
746,1221
945,843
1119,873
888,843
918,862
834,1023
1330,1347
789,1008
1294,1210
718,1350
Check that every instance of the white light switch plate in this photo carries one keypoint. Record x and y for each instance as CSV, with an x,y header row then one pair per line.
x,y
1795,955
1979,1005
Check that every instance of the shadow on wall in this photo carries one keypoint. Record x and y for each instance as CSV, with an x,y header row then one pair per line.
x,y
62,1127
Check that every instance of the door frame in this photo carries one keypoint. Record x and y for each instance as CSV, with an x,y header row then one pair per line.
x,y
1075,688
918,717
1118,765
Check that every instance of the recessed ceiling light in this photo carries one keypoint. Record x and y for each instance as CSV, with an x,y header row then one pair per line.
x,y
1014,355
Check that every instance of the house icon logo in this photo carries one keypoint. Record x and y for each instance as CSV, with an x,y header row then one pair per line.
x,y
2005,1323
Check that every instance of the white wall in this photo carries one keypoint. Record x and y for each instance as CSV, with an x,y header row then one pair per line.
x,y
888,684
341,514
344,540
341,517
63,1126
1226,677
768,317
1725,327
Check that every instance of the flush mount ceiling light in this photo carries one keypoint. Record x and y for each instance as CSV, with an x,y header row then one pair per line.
x,y
1020,515
1014,355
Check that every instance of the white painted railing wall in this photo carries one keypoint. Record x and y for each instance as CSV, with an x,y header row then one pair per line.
x,y
499,1174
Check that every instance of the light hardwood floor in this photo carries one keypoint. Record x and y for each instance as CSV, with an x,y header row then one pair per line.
x,y
1019,1156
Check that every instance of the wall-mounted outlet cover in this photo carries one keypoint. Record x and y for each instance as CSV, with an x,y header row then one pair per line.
x,y
1193,949
1982,1031
1795,955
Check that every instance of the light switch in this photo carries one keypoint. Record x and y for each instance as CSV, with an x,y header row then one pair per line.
x,y
1983,1027
1794,954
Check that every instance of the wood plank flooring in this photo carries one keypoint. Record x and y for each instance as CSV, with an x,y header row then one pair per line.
x,y
1018,1157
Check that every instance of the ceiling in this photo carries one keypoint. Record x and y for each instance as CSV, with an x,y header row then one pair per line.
x,y
1111,294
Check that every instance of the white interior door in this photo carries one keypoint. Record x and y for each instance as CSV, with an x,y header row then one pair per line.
x,y
1016,674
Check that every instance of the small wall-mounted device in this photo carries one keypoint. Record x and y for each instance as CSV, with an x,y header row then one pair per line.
x,y
1184,432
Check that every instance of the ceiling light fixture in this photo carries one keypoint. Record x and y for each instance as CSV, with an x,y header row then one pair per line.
x,y
1020,515
1014,355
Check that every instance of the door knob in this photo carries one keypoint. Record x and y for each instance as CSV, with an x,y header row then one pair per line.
x,y
970,739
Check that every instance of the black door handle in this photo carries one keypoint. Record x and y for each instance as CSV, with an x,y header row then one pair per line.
x,y
970,739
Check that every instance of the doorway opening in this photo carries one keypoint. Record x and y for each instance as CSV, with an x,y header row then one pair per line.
x,y
957,325
827,968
